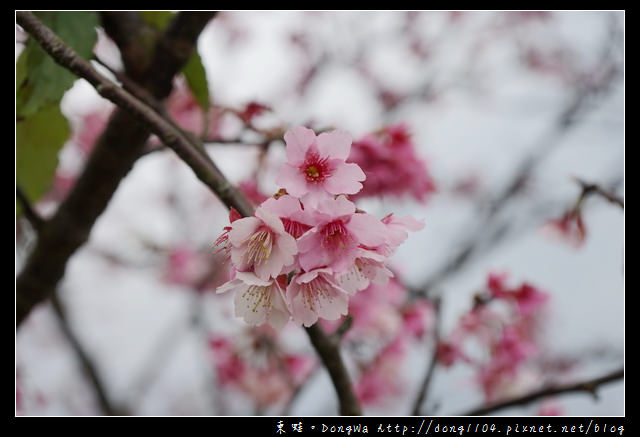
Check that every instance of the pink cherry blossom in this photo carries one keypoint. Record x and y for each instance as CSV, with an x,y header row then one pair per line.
x,y
496,283
376,311
389,160
188,114
250,189
368,267
299,367
316,166
260,244
449,353
258,301
417,318
507,355
381,380
251,110
255,364
185,266
550,408
570,228
266,385
398,231
312,234
92,126
376,386
229,367
295,219
222,242
340,231
529,298
314,294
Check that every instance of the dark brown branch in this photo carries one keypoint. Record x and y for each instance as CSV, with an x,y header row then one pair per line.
x,y
203,167
133,37
589,386
178,40
145,96
89,368
591,188
426,382
132,86
342,329
335,337
329,352
29,213
117,148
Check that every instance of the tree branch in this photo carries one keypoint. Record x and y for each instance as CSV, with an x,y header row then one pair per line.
x,y
588,386
30,214
426,382
592,188
203,167
329,352
116,151
133,37
490,209
90,370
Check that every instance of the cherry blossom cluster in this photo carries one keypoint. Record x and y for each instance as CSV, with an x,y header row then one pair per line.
x,y
503,322
308,249
393,168
386,326
259,367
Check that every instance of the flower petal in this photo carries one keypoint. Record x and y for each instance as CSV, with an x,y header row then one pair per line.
x,y
298,140
228,286
291,179
270,219
242,229
367,229
335,144
345,179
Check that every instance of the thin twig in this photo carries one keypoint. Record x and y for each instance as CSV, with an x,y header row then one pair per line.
x,y
492,207
204,169
426,382
342,329
111,159
90,369
30,214
589,188
286,411
588,386
145,96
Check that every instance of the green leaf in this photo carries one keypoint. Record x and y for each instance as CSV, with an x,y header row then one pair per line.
x,y
39,138
41,80
197,80
157,19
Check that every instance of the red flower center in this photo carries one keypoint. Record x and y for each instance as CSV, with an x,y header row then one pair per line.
x,y
335,236
294,228
316,169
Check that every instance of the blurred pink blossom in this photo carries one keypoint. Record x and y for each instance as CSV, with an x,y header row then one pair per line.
x,y
391,164
569,228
